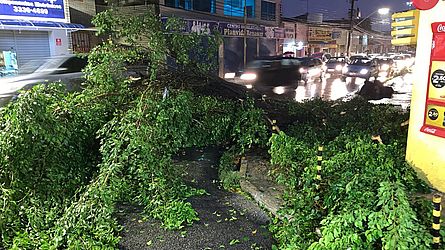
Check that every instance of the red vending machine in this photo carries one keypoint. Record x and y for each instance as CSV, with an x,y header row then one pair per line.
x,y
434,120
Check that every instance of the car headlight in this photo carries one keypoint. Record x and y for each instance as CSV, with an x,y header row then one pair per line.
x,y
364,71
279,90
338,67
248,76
229,75
385,67
345,69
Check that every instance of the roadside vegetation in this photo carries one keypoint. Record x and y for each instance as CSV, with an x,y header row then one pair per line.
x,y
67,159
368,196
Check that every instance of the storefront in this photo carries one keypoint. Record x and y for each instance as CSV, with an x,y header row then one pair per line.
x,y
320,40
260,41
32,30
295,41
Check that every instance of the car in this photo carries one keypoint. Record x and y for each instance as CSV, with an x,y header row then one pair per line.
x,y
362,68
264,74
386,66
278,74
336,64
353,57
373,55
322,56
67,68
400,61
311,68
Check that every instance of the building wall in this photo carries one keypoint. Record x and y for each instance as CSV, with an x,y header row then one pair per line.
x,y
85,6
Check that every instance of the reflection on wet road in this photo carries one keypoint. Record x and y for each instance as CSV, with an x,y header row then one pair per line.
x,y
328,89
333,88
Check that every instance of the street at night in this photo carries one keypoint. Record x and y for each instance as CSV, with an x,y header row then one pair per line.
x,y
222,124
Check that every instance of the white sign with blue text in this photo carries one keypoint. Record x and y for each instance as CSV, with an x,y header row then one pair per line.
x,y
38,10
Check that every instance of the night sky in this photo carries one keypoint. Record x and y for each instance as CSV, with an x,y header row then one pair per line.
x,y
339,8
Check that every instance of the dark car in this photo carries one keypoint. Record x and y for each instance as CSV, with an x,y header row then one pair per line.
x,y
336,64
362,68
265,74
386,66
351,58
279,74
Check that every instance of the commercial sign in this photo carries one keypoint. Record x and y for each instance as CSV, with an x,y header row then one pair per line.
x,y
229,29
39,10
233,29
289,30
320,34
434,118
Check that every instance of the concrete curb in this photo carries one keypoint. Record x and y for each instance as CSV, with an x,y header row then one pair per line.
x,y
261,190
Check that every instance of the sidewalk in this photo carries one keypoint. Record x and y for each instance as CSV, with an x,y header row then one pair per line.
x,y
255,180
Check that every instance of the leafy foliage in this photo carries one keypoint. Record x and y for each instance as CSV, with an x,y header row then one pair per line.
x,y
68,158
364,197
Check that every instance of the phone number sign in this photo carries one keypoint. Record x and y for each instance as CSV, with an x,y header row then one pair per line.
x,y
40,10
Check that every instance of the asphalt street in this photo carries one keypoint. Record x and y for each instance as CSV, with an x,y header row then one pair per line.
x,y
227,220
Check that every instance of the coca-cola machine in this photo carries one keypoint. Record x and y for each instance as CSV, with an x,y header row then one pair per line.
x,y
434,119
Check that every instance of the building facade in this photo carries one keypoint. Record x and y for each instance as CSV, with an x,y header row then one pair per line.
x,y
32,30
404,29
256,21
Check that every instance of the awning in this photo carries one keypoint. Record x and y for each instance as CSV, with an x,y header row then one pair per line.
x,y
39,25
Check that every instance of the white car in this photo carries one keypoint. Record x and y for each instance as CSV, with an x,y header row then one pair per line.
x,y
67,69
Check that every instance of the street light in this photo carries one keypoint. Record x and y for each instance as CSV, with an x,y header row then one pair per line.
x,y
381,11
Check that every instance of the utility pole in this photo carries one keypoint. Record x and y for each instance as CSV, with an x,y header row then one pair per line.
x,y
351,28
245,34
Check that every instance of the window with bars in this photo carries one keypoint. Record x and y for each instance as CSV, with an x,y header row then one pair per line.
x,y
268,11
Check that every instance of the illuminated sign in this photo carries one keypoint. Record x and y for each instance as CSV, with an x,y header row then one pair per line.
x,y
319,34
434,120
39,10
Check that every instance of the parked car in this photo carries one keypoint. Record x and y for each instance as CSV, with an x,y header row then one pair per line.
x,y
386,66
361,68
336,64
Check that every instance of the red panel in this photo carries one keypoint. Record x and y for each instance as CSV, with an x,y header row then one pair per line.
x,y
425,4
433,131
438,50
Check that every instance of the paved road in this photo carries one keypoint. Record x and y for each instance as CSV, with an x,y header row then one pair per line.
x,y
332,88
227,220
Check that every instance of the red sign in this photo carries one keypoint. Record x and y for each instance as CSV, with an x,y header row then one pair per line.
x,y
58,41
434,119
438,49
425,4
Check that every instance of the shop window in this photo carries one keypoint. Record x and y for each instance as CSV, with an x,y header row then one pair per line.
x,y
236,8
268,11
198,5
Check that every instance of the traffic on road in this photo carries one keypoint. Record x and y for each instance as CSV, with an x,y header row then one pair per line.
x,y
330,78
